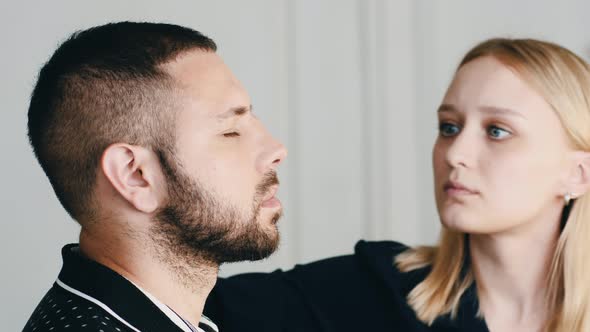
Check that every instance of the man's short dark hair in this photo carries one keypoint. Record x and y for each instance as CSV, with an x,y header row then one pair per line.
x,y
104,85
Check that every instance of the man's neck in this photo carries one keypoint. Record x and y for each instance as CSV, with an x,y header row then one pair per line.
x,y
177,283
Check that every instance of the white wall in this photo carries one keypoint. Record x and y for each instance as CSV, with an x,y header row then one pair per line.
x,y
350,86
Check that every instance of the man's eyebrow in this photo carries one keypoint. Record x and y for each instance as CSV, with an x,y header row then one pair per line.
x,y
235,111
487,109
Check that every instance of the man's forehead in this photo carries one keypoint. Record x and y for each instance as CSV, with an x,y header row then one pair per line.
x,y
197,66
208,83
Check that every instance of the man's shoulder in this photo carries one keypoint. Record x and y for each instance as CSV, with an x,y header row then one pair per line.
x,y
60,310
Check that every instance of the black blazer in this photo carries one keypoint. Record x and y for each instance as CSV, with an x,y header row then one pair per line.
x,y
359,292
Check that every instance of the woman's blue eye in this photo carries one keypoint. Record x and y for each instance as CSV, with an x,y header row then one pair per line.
x,y
447,129
497,132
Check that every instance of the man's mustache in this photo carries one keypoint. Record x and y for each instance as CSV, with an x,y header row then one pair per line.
x,y
270,179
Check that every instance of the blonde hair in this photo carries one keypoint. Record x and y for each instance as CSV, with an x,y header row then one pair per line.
x,y
563,79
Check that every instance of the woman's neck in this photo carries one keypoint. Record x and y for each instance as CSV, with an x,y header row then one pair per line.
x,y
511,270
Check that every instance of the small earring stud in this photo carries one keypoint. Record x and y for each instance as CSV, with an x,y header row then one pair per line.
x,y
568,197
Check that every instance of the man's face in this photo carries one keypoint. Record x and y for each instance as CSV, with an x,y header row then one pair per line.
x,y
222,175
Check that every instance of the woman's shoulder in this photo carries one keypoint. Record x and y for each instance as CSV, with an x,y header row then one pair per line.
x,y
380,248
363,284
366,283
379,257
371,261
373,257
371,266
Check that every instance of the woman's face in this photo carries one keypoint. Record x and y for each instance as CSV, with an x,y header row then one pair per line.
x,y
501,155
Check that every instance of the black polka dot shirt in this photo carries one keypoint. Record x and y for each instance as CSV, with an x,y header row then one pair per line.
x,y
90,297
58,311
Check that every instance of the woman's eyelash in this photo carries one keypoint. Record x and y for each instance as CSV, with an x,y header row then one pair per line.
x,y
497,131
448,129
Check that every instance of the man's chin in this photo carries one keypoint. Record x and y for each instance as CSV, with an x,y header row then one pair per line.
x,y
251,255
270,228
256,245
271,218
270,245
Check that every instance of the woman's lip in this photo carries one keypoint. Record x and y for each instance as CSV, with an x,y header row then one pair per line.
x,y
453,191
458,189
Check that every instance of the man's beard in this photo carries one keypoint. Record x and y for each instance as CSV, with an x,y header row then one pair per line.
x,y
196,225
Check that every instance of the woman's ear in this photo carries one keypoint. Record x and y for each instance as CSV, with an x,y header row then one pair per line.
x,y
133,172
578,180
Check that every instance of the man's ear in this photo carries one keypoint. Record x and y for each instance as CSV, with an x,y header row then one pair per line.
x,y
578,180
133,171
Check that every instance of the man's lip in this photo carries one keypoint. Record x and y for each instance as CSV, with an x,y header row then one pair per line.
x,y
270,200
273,202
